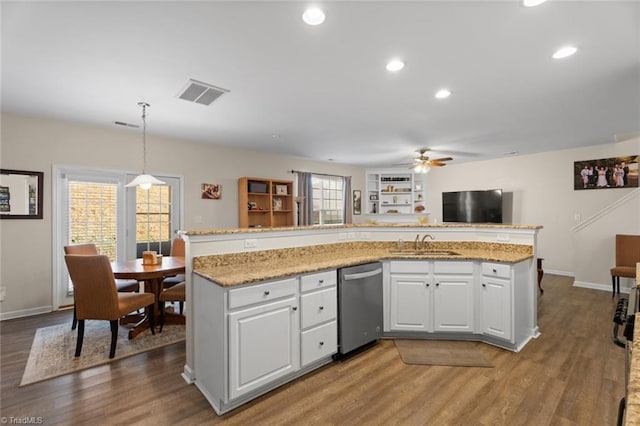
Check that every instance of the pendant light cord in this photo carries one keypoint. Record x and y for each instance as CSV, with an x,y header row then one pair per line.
x,y
144,106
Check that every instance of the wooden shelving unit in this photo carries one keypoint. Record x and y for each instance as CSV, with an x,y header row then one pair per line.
x,y
265,203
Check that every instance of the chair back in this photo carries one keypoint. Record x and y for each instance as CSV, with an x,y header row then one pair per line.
x,y
88,248
627,250
94,287
177,247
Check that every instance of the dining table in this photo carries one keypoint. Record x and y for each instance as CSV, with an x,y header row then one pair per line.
x,y
152,276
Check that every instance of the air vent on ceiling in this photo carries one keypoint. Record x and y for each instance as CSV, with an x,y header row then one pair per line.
x,y
122,123
201,93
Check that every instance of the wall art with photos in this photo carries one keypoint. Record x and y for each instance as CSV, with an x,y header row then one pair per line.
x,y
357,202
615,172
211,191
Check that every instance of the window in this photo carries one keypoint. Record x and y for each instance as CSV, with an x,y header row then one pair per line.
x,y
328,200
153,219
92,210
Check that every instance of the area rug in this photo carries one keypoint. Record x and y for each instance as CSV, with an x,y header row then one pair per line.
x,y
440,352
53,348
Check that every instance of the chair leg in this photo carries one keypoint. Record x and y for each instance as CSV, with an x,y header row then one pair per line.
x,y
181,304
152,320
613,285
161,315
80,337
74,323
114,338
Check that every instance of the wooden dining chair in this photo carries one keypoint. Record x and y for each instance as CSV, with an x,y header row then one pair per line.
x,y
177,293
177,249
627,255
98,299
91,249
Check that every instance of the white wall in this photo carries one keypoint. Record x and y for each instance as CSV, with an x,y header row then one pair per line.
x,y
37,144
543,194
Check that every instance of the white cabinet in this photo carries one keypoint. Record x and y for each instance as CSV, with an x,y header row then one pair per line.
x,y
497,300
319,316
411,306
453,300
263,337
395,192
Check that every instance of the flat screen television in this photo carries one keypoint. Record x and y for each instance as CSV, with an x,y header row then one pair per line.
x,y
472,206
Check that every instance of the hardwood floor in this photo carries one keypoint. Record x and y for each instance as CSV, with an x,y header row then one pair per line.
x,y
572,375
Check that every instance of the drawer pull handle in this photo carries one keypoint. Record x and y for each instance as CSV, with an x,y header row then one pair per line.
x,y
427,284
295,308
484,285
495,271
321,307
437,284
266,293
320,281
321,343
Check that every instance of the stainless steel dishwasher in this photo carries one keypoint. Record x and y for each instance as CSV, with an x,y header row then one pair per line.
x,y
359,306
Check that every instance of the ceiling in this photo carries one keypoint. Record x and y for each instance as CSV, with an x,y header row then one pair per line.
x,y
322,92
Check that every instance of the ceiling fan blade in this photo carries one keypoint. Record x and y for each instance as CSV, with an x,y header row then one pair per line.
x,y
436,163
443,159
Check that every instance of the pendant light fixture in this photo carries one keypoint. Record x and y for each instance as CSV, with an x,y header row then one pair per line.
x,y
145,181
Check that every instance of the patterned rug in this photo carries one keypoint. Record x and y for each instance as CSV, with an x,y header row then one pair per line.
x,y
53,348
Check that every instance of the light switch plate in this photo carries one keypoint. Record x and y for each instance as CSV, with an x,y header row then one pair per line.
x,y
251,243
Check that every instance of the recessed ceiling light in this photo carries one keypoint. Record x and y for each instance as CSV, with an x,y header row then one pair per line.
x,y
395,65
443,93
532,3
313,16
565,52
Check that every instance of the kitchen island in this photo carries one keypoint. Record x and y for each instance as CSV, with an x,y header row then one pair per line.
x,y
242,280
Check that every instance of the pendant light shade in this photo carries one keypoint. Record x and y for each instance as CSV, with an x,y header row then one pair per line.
x,y
144,180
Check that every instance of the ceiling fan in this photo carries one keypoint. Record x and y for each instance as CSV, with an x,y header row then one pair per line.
x,y
422,163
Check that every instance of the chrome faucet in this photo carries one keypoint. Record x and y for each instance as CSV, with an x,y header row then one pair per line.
x,y
423,242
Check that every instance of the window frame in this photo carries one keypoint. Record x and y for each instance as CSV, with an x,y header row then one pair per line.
x,y
342,200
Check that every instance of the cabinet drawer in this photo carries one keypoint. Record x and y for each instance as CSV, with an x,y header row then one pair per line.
x,y
262,292
319,280
409,266
453,267
319,342
318,307
496,270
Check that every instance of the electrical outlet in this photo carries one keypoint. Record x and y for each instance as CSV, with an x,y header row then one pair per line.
x,y
342,236
197,219
351,235
252,243
365,236
3,293
503,237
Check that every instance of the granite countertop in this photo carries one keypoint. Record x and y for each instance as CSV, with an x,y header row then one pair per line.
x,y
632,412
361,225
249,267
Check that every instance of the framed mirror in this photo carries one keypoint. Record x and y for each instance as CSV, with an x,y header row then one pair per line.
x,y
20,194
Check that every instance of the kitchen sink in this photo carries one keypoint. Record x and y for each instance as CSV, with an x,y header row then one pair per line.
x,y
425,252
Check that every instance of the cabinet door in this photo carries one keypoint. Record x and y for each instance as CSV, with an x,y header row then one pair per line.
x,y
496,307
264,345
410,306
453,304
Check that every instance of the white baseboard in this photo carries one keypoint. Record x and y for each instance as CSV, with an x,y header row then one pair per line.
x,y
557,272
597,286
25,312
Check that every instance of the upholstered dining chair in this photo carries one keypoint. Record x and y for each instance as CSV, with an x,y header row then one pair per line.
x,y
91,249
177,293
627,255
177,249
97,299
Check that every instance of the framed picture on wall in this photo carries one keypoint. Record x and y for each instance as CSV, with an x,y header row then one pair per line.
x,y
357,202
606,173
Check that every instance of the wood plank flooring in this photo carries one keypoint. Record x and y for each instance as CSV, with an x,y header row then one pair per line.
x,y
572,375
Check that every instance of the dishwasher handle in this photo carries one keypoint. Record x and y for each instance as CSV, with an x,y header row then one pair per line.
x,y
349,277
